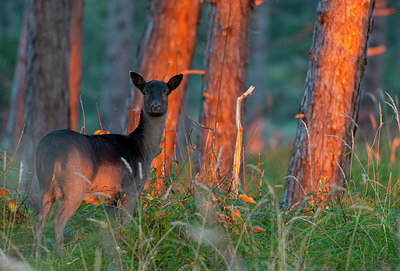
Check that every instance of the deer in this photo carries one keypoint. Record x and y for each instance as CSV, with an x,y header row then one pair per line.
x,y
111,168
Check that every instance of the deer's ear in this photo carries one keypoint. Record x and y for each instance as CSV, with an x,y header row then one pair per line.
x,y
137,80
175,81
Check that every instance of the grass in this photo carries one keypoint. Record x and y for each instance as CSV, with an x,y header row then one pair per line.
x,y
207,231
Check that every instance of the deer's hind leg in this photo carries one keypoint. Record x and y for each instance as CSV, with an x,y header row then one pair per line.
x,y
47,203
73,194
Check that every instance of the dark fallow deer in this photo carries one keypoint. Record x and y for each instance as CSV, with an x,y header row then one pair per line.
x,y
80,168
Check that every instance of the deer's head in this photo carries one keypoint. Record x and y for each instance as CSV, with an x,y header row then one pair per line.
x,y
155,93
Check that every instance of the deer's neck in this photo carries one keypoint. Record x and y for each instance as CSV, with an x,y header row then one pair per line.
x,y
149,134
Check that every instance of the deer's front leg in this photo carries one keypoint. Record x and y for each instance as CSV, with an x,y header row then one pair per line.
x,y
114,212
128,207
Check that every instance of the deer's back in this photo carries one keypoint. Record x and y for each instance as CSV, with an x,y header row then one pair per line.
x,y
66,159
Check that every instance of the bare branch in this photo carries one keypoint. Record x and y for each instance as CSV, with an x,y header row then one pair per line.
x,y
239,137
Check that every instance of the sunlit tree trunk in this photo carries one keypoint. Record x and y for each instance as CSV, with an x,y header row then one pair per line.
x,y
75,61
15,121
167,49
119,61
46,88
322,147
224,81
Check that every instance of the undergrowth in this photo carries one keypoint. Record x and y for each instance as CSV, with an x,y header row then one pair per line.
x,y
194,227
208,231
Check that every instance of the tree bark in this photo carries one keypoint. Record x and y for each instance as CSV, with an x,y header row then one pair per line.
x,y
15,121
323,142
119,62
224,81
16,116
47,87
75,61
167,48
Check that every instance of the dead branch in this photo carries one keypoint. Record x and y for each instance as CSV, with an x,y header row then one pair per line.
x,y
200,72
239,137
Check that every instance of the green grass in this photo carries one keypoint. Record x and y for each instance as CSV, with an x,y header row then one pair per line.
x,y
185,231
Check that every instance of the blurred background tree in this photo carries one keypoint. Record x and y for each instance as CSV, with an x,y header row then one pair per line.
x,y
119,59
15,118
47,79
11,21
372,91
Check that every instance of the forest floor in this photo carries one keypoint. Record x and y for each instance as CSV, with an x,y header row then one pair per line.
x,y
208,231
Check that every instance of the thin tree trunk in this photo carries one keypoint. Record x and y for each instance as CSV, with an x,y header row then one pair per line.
x,y
224,81
6,30
75,61
322,147
16,116
257,73
167,49
47,88
119,62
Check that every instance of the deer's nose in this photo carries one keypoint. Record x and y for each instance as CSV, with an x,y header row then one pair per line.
x,y
155,106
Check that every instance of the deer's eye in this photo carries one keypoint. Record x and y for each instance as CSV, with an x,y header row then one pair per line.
x,y
145,91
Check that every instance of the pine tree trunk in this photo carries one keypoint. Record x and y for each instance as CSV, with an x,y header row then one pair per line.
x,y
47,88
119,63
322,147
224,81
168,43
75,61
15,121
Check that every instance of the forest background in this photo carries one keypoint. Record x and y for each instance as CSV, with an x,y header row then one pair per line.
x,y
281,35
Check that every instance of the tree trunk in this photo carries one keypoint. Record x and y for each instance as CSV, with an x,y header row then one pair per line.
x,y
119,62
75,61
7,33
224,81
15,121
321,150
167,48
257,73
46,89
16,116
